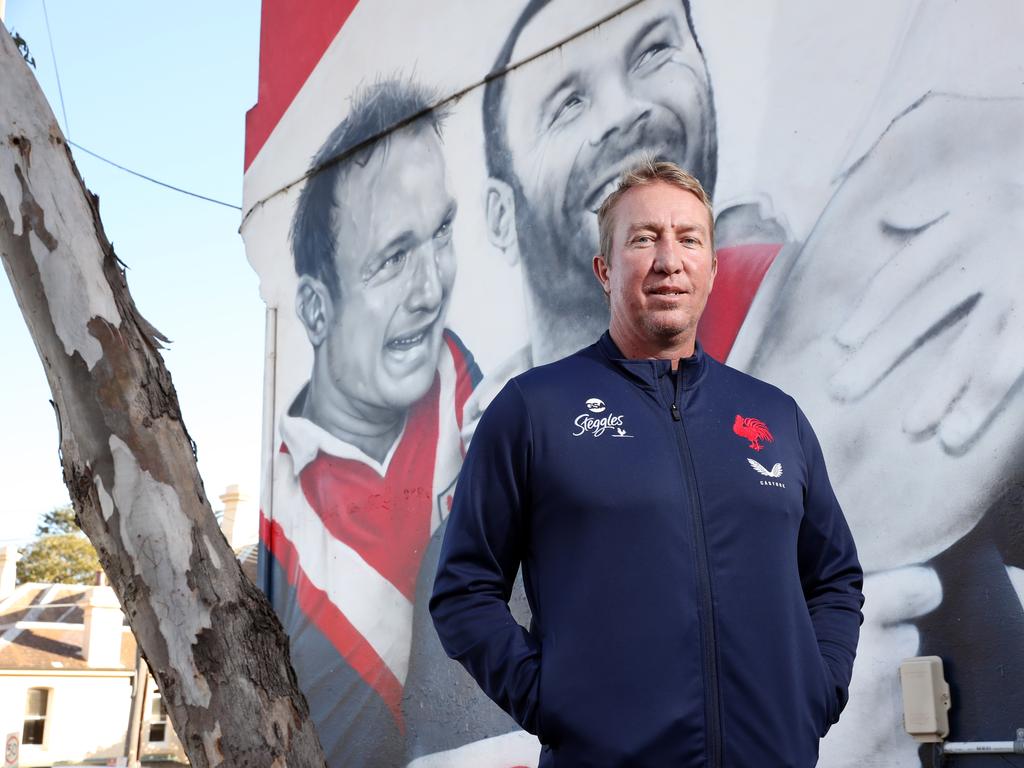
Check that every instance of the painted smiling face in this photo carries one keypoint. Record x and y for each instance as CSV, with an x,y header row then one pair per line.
x,y
393,232
576,119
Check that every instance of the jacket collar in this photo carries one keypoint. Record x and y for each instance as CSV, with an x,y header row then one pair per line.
x,y
648,371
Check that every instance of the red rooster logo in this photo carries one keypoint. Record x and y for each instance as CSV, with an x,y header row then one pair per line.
x,y
753,430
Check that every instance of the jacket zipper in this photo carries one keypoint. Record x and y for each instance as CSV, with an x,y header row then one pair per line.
x,y
707,613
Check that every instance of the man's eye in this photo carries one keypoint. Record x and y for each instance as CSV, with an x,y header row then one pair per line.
x,y
567,109
390,266
444,232
643,240
652,55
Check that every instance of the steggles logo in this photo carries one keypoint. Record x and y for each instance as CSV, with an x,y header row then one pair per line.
x,y
597,426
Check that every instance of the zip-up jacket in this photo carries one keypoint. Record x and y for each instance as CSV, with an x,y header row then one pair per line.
x,y
695,589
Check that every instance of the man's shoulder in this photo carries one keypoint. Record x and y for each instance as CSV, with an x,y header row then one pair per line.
x,y
751,386
582,362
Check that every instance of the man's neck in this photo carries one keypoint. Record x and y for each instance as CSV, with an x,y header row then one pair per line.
x,y
371,430
636,347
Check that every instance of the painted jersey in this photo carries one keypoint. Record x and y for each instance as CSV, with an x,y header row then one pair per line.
x,y
342,553
741,270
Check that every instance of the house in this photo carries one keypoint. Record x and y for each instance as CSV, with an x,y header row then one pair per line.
x,y
69,669
68,678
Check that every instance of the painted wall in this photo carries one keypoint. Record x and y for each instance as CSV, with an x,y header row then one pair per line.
x,y
868,156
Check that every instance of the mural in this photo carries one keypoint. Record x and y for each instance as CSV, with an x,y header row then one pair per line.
x,y
421,209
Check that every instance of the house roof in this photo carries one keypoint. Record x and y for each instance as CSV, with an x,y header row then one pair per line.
x,y
248,558
41,625
41,628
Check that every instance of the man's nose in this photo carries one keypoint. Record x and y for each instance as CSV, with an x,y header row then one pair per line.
x,y
668,256
617,112
426,291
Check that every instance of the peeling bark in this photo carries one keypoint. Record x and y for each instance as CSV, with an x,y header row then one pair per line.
x,y
210,637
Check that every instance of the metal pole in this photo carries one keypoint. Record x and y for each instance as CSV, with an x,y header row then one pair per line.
x,y
139,686
986,747
269,447
976,747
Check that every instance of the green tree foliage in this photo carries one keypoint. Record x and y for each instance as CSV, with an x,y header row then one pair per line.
x,y
60,554
58,520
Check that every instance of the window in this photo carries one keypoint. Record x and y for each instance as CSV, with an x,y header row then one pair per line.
x,y
35,716
157,719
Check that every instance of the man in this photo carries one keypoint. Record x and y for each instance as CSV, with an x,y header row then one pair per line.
x,y
927,205
371,445
694,586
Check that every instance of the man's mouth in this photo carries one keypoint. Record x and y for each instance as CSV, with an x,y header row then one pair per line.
x,y
594,200
667,291
411,339
596,196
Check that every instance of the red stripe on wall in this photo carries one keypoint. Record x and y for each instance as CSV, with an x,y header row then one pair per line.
x,y
463,381
741,268
293,38
318,608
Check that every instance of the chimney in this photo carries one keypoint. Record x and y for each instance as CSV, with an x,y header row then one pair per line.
x,y
9,558
238,523
103,622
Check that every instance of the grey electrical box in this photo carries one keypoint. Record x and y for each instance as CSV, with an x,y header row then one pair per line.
x,y
925,698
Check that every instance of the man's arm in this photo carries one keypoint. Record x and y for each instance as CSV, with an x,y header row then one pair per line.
x,y
830,572
480,556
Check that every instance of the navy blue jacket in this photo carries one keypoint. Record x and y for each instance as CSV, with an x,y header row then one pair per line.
x,y
694,586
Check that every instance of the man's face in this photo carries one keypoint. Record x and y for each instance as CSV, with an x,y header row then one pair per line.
x,y
393,234
662,266
578,117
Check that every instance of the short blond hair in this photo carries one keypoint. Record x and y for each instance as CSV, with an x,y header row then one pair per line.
x,y
646,171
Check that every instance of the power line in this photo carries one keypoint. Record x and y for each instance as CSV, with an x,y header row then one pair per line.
x,y
67,132
150,178
56,69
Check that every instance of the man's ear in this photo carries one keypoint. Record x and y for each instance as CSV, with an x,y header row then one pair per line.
x,y
500,211
315,308
601,271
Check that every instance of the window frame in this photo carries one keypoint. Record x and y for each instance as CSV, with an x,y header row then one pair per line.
x,y
157,719
29,718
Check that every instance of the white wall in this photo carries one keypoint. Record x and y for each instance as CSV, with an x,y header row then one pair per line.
x,y
87,716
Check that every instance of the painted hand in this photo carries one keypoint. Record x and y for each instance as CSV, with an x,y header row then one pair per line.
x,y
935,211
870,730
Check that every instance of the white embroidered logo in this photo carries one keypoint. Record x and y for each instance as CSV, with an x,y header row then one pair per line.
x,y
775,471
599,425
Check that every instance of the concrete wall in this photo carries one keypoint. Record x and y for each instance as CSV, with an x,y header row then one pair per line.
x,y
873,149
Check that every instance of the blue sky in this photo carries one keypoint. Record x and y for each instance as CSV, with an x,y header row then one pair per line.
x,y
161,88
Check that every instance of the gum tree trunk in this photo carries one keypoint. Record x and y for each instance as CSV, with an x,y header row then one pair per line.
x,y
212,640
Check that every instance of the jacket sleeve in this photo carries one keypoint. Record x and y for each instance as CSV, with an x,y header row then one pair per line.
x,y
480,556
830,572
